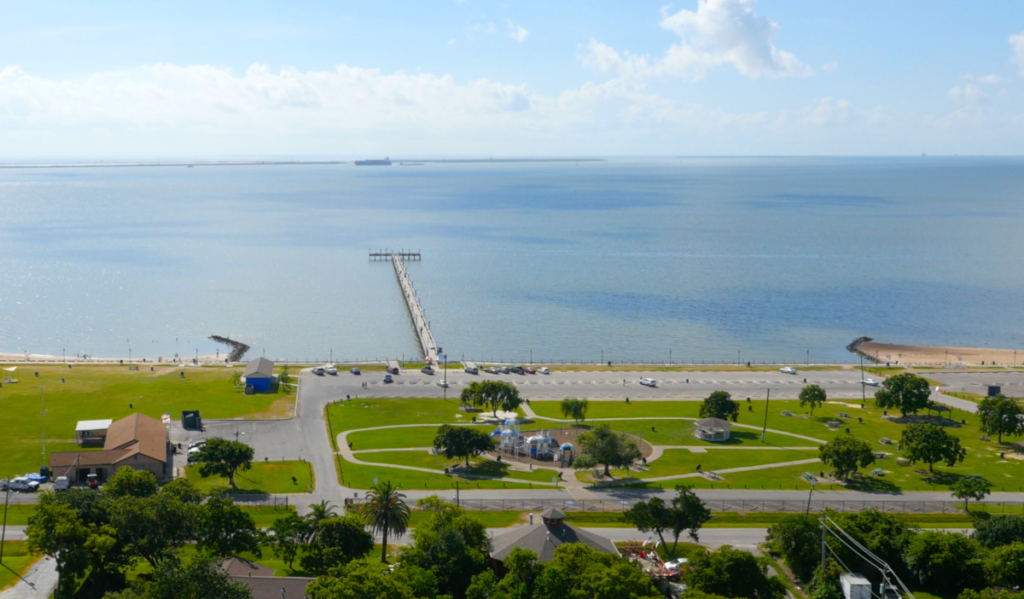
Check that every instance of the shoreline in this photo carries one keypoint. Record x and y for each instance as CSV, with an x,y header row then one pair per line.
x,y
948,356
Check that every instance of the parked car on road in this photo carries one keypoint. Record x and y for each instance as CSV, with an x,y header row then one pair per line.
x,y
387,378
872,382
442,383
648,382
319,371
193,454
543,370
61,484
330,369
427,369
491,370
392,369
530,370
504,370
356,370
472,369
518,370
197,444
787,370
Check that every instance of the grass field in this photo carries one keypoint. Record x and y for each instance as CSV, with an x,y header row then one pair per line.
x,y
96,392
16,562
359,476
398,438
480,467
868,423
263,477
368,413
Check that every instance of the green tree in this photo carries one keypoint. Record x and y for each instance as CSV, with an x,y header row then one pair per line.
x,y
56,530
685,512
1001,416
385,512
797,538
282,380
930,443
290,533
183,490
905,392
999,530
340,541
1005,566
129,482
486,585
462,442
575,408
695,594
988,594
360,580
604,446
154,527
732,573
496,395
199,578
885,535
318,512
579,572
720,405
971,487
453,546
813,396
224,458
845,454
224,529
944,562
650,516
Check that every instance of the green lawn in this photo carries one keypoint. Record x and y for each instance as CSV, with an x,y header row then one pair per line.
x,y
480,466
489,519
16,562
18,515
369,413
265,516
359,476
96,392
264,477
398,438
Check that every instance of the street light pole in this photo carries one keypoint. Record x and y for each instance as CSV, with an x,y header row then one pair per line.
x,y
764,429
863,391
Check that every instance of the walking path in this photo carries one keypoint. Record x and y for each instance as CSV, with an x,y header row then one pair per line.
x,y
38,583
419,320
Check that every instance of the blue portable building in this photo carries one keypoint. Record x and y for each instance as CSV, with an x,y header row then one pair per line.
x,y
259,373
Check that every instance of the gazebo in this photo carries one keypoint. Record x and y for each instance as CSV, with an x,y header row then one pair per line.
x,y
712,429
11,374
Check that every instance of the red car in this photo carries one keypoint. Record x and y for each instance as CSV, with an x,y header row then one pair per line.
x,y
530,370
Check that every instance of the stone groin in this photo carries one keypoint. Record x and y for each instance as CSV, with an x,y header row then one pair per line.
x,y
238,348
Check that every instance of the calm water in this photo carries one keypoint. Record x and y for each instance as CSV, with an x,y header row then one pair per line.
x,y
627,259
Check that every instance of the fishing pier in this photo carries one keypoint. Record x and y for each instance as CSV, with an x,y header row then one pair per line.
x,y
419,322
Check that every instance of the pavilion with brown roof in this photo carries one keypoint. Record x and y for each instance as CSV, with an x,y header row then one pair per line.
x,y
137,441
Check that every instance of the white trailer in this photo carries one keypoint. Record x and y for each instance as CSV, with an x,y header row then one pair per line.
x,y
855,586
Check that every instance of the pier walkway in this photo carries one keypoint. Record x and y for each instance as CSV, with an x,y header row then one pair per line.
x,y
419,321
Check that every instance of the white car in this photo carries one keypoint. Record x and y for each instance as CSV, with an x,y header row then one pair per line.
x,y
20,483
543,370
442,383
872,382
61,484
330,369
648,382
787,370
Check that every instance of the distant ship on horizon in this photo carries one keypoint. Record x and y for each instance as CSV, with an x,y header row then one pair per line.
x,y
385,162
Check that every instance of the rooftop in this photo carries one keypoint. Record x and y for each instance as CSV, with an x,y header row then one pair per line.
x,y
259,368
92,425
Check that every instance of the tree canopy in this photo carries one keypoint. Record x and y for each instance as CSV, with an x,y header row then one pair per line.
x,y
385,512
462,442
685,512
720,405
495,395
930,443
813,396
1001,416
732,573
130,482
575,408
905,392
797,538
944,561
222,457
339,541
604,446
846,453
198,578
970,487
999,530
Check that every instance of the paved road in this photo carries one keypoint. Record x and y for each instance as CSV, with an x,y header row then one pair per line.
x,y
38,583
1011,381
841,384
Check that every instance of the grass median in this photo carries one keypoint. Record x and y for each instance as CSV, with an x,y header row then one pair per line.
x,y
262,478
17,561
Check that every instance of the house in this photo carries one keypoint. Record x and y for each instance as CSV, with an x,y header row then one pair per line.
x,y
261,580
137,441
712,429
544,538
91,432
258,374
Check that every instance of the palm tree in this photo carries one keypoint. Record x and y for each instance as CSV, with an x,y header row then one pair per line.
x,y
318,512
385,511
282,380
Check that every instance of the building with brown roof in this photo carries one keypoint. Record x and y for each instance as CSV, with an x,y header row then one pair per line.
x,y
137,441
544,538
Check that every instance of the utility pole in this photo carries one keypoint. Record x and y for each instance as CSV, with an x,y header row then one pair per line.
x,y
863,391
822,544
808,513
445,387
3,535
764,429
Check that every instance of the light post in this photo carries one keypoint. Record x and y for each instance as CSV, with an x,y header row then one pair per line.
x,y
764,429
808,361
863,391
738,359
808,513
669,357
445,380
42,421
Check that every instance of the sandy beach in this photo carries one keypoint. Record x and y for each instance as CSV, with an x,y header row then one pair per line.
x,y
942,355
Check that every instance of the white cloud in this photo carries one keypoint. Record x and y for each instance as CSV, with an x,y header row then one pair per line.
x,y
821,112
968,94
517,32
830,66
451,42
1017,43
986,79
718,32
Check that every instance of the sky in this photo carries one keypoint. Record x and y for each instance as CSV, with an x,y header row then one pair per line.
x,y
147,79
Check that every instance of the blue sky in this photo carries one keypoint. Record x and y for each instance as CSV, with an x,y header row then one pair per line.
x,y
475,77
